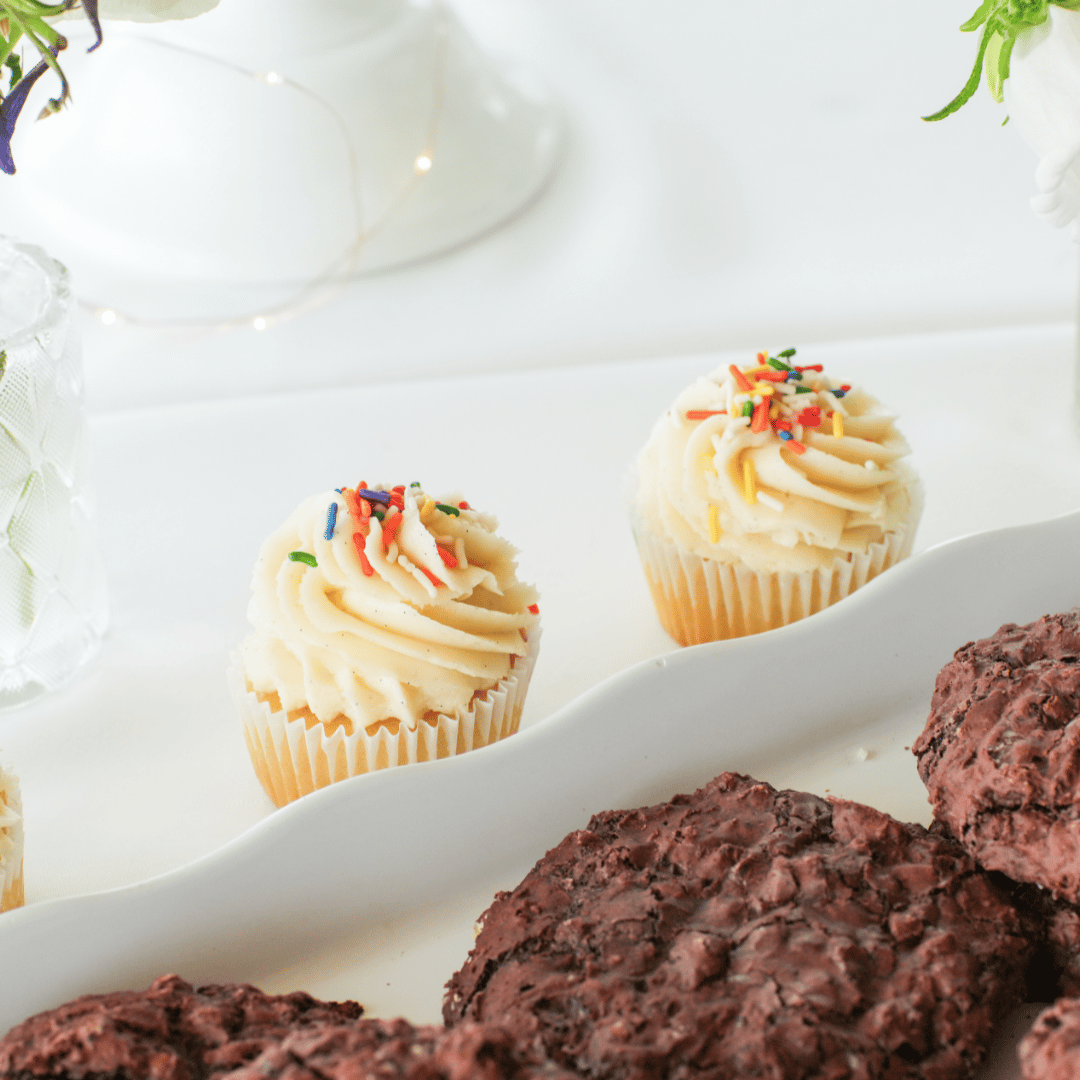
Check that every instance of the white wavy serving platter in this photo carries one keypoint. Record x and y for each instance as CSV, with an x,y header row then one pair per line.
x,y
369,889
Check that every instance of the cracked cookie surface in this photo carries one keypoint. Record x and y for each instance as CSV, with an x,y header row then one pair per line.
x,y
397,1050
172,1031
741,931
1000,753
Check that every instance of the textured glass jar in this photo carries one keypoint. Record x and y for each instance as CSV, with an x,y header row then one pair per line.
x,y
53,607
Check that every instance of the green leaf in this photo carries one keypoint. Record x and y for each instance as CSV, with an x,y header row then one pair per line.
x,y
11,59
1003,61
992,64
970,86
979,17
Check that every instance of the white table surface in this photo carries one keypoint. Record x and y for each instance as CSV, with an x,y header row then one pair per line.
x,y
138,765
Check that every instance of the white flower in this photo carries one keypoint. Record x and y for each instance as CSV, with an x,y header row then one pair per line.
x,y
1042,94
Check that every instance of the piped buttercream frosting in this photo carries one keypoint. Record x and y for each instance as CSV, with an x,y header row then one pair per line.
x,y
376,604
774,466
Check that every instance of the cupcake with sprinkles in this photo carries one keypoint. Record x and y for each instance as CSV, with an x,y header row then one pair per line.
x,y
766,493
389,628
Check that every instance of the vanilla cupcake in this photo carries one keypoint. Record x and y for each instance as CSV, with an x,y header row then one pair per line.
x,y
390,628
11,843
765,494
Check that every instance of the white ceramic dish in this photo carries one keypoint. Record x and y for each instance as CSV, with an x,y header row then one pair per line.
x,y
370,888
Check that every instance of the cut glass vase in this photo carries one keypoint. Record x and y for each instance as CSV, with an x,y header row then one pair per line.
x,y
53,607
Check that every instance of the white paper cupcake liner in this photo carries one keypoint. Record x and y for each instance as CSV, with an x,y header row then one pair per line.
x,y
11,843
292,759
699,599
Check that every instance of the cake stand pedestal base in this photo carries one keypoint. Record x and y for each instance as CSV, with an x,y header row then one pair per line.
x,y
237,164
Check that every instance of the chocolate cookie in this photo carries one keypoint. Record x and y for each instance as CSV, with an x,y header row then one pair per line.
x,y
1051,1050
1053,926
395,1050
170,1032
1000,754
741,931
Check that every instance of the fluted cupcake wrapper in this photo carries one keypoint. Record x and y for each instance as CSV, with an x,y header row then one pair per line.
x,y
13,896
292,759
699,599
11,843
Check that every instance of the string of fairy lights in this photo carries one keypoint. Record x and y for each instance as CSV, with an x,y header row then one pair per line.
x,y
333,278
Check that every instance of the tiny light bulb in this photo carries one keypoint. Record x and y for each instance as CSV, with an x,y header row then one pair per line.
x,y
272,77
259,323
108,317
423,163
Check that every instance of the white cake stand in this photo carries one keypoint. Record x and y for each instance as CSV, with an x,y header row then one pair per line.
x,y
241,163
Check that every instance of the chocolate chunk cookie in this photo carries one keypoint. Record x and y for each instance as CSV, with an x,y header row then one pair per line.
x,y
174,1032
1053,926
395,1050
170,1032
1000,754
741,931
1051,1050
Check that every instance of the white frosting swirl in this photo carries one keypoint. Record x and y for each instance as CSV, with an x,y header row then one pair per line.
x,y
389,643
839,495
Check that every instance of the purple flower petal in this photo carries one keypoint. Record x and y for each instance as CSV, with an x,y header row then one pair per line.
x,y
90,7
10,108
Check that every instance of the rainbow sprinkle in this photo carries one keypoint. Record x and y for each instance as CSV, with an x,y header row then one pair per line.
x,y
364,503
430,576
749,481
778,398
361,554
714,524
304,557
741,381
